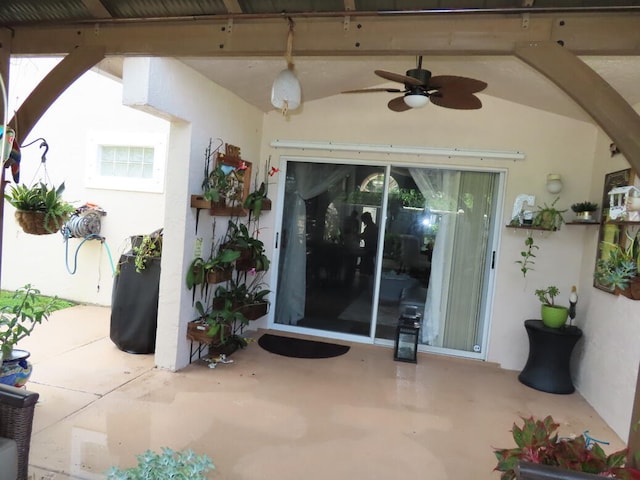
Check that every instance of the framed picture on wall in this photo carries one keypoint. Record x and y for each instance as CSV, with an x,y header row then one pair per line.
x,y
611,233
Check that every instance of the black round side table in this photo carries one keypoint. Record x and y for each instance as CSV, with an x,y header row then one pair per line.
x,y
548,365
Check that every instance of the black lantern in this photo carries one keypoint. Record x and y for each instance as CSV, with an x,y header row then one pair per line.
x,y
407,333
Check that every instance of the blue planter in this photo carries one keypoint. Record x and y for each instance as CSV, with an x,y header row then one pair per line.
x,y
15,370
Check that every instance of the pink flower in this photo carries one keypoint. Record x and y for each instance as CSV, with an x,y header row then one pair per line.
x,y
273,171
252,271
243,166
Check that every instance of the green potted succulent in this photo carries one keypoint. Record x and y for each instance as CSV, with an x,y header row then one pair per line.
x,y
584,210
618,271
553,316
166,465
40,209
540,450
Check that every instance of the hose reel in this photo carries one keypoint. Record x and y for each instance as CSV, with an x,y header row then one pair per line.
x,y
84,223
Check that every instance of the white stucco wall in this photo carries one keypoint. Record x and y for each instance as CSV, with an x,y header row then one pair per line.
x,y
551,143
606,362
199,111
92,104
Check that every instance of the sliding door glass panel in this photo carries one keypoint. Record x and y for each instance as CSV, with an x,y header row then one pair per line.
x,y
327,252
435,255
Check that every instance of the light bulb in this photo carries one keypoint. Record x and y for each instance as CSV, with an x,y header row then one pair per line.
x,y
416,100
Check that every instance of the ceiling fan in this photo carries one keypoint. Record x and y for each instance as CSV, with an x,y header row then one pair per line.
x,y
447,91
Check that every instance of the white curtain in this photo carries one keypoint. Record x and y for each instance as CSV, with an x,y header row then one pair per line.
x,y
452,317
310,180
432,183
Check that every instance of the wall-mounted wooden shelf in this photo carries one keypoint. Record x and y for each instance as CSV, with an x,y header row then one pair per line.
x,y
529,227
591,222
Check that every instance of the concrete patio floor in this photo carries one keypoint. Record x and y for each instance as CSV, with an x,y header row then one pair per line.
x,y
357,416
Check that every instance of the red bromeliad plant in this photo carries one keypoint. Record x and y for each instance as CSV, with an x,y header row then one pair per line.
x,y
537,442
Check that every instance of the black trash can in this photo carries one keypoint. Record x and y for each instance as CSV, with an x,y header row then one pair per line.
x,y
134,306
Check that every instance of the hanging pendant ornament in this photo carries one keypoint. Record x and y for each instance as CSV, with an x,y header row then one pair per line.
x,y
286,91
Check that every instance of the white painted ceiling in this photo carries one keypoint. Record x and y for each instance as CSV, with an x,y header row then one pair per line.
x,y
508,77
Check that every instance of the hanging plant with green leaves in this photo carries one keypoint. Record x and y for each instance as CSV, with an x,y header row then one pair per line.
x,y
527,255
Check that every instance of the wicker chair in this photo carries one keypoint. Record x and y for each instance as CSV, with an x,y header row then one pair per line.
x,y
16,420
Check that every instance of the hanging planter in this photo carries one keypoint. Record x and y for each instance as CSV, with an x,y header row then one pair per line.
x,y
40,208
38,223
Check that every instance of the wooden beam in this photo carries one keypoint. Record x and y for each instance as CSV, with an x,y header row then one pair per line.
x,y
232,6
599,99
96,9
57,81
488,34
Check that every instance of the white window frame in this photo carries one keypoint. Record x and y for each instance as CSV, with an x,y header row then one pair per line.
x,y
157,141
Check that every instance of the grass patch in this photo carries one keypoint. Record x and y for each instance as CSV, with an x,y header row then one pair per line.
x,y
6,299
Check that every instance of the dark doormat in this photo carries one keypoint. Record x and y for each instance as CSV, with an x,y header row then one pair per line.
x,y
299,348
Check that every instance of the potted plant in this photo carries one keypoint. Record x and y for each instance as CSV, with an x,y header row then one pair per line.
x,y
248,298
219,326
618,271
146,248
252,251
40,209
17,321
257,201
553,316
548,217
584,210
217,268
538,444
164,466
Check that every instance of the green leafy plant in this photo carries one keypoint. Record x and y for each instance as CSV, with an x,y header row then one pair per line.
x,y
42,198
150,247
256,199
537,442
20,317
616,269
527,255
584,207
166,465
547,295
200,268
238,238
548,217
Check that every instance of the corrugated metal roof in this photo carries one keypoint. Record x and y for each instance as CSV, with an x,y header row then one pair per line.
x,y
19,12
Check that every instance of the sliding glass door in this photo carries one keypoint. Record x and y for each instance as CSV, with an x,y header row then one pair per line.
x,y
361,245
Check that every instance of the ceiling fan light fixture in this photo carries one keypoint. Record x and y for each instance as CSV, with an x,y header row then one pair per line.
x,y
416,100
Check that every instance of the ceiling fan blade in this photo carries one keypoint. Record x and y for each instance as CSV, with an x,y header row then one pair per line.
x,y
456,100
398,105
367,90
396,77
459,84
